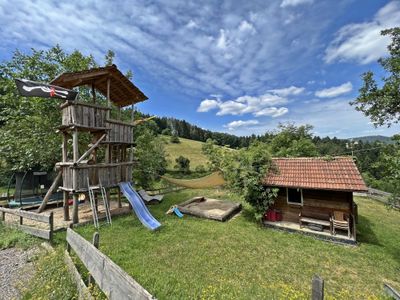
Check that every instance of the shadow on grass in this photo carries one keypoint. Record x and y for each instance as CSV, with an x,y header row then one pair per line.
x,y
365,233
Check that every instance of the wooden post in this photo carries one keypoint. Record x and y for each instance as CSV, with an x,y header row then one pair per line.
x,y
50,192
21,220
317,291
93,93
51,225
3,216
75,216
66,205
95,242
119,199
70,226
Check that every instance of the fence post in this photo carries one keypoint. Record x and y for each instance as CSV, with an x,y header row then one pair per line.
x,y
317,289
3,216
51,225
95,242
21,220
70,226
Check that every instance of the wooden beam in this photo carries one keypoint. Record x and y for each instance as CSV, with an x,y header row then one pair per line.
x,y
90,149
112,280
50,191
75,216
42,233
26,214
83,291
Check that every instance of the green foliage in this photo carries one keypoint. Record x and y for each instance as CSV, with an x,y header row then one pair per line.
x,y
52,279
200,169
166,131
10,237
244,171
292,141
174,139
27,133
150,154
182,164
382,104
109,58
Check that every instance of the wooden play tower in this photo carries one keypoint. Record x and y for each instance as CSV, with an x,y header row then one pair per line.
x,y
108,159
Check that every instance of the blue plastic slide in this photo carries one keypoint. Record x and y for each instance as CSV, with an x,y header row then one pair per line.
x,y
178,212
138,206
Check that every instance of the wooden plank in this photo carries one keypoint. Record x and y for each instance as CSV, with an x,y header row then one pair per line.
x,y
26,214
42,233
111,279
317,290
50,191
83,291
391,292
90,149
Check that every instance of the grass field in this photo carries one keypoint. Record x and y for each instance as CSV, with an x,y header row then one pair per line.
x,y
194,258
187,148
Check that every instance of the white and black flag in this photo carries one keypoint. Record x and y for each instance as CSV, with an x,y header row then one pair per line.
x,y
30,88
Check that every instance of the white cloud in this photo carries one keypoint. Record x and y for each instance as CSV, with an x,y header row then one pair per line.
x,y
192,24
272,111
292,90
362,42
207,105
246,105
236,124
335,91
286,3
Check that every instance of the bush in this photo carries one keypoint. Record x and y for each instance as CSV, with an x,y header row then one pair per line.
x,y
151,158
166,131
183,164
200,169
244,171
174,139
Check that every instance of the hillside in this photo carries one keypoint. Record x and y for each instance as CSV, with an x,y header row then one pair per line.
x,y
187,148
373,138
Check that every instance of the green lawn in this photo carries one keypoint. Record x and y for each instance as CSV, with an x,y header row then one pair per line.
x,y
187,148
194,258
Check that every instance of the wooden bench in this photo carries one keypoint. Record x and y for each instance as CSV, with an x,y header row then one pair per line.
x,y
312,220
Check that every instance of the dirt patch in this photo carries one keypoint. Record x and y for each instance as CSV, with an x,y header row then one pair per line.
x,y
16,269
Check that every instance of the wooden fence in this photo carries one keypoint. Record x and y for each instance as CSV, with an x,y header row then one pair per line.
x,y
111,279
378,195
41,218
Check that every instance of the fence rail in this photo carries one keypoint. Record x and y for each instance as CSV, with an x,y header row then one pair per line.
x,y
41,218
110,278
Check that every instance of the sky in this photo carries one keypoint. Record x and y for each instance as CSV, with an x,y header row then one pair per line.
x,y
240,67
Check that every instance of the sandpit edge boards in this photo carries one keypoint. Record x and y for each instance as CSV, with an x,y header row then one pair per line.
x,y
235,207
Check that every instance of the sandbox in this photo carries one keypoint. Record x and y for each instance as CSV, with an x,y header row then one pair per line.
x,y
220,210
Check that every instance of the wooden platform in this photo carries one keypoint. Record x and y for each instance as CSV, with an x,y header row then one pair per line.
x,y
340,237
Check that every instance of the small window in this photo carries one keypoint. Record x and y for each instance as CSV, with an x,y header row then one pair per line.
x,y
295,196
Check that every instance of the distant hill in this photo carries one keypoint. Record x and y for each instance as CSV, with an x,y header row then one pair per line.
x,y
187,148
374,138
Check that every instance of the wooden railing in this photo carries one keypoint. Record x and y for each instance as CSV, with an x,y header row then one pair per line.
x,y
82,114
111,279
41,218
120,132
109,174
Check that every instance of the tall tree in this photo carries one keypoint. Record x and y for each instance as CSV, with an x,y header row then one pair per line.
x,y
382,104
27,136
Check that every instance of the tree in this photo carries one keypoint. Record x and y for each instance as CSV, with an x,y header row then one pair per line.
x,y
28,137
382,104
182,164
174,139
152,163
293,141
166,131
244,171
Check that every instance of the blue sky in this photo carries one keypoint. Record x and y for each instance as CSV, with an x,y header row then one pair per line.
x,y
235,66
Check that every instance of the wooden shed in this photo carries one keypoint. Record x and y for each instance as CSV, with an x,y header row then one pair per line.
x,y
316,195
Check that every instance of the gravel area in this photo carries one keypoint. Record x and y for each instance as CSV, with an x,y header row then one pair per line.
x,y
16,269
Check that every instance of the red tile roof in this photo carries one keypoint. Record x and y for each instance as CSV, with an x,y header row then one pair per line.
x,y
338,173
